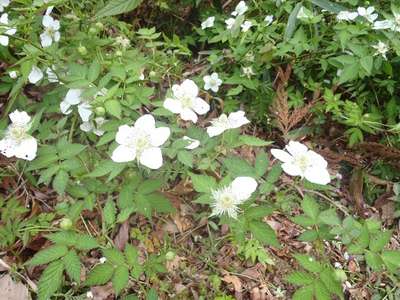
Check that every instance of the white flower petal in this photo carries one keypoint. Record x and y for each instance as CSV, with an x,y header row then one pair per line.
x,y
291,169
215,130
86,127
26,149
4,40
237,119
146,123
243,187
159,136
190,88
317,160
125,135
193,143
173,105
282,155
7,147
47,21
123,154
296,148
200,106
45,40
19,118
65,107
35,75
151,158
85,111
188,115
317,175
73,96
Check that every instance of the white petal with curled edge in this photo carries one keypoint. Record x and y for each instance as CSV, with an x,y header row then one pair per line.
x,y
49,9
237,119
123,154
45,40
56,25
35,75
159,136
173,105
296,148
73,96
20,118
47,21
151,158
190,88
57,36
200,106
317,160
215,130
282,155
386,24
7,147
317,175
85,111
243,187
26,149
193,143
291,169
188,115
4,40
146,123
11,31
86,126
65,107
125,134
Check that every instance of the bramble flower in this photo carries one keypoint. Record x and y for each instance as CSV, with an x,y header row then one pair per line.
x,y
227,199
224,122
193,143
346,15
299,161
142,142
185,101
246,25
212,82
94,127
17,142
368,13
248,71
392,24
229,23
74,97
122,41
209,22
4,39
35,75
381,49
268,20
240,9
3,4
50,32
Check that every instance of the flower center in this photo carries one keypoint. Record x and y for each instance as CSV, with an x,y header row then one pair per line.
x,y
227,201
17,133
50,31
142,142
186,101
302,162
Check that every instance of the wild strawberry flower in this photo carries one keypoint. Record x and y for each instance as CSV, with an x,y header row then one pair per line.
x,y
381,49
346,15
17,142
268,20
246,26
74,97
94,127
4,39
240,9
51,31
229,23
35,75
142,142
4,4
227,199
368,13
193,143
212,82
224,122
208,23
298,160
392,24
185,101
122,41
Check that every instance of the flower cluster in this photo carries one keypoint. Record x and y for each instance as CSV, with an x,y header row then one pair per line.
x,y
51,29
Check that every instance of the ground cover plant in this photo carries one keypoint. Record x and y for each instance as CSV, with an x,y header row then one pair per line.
x,y
199,149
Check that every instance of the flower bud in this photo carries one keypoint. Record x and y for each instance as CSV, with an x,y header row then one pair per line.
x,y
66,223
100,111
82,50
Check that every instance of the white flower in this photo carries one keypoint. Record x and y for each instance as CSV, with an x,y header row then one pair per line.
x,y
224,122
122,41
248,71
13,74
368,13
94,127
51,76
50,32
35,75
246,25
185,101
141,76
303,162
89,295
392,24
74,97
229,23
381,49
209,22
4,40
141,141
3,4
102,260
240,9
269,19
346,15
193,143
227,199
212,82
17,142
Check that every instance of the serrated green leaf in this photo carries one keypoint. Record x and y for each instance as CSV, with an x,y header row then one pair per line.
x,y
85,242
203,183
239,167
47,255
292,22
100,274
300,278
329,217
186,158
250,140
310,207
320,291
304,293
70,150
131,255
264,233
114,256
308,236
120,279
72,265
149,186
50,280
308,262
379,241
116,7
374,261
367,62
103,168
109,213
66,238
261,163
258,212
159,203
94,70
113,107
60,181
391,258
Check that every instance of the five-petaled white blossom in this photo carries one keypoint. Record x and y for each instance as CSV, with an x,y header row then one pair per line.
x,y
212,82
142,142
368,13
381,49
246,25
3,4
35,75
74,97
51,31
268,20
208,23
185,101
94,127
298,160
224,122
193,143
240,9
229,23
17,142
227,199
4,39
346,15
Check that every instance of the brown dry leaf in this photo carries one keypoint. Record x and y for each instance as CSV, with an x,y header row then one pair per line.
x,y
12,290
237,284
356,190
104,292
123,235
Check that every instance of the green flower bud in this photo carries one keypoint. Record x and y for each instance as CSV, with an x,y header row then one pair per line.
x,y
66,223
82,50
100,111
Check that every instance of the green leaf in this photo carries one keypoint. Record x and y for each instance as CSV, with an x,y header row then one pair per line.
x,y
100,274
203,183
60,181
110,213
47,255
131,255
264,233
320,291
300,278
114,256
310,207
391,258
152,295
380,240
66,151
258,212
120,279
305,293
250,140
126,195
329,217
143,206
159,203
72,265
85,242
292,22
63,238
149,186
261,163
94,71
308,262
116,7
373,260
113,107
50,280
329,6
239,167
308,236
186,157
103,168
367,62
